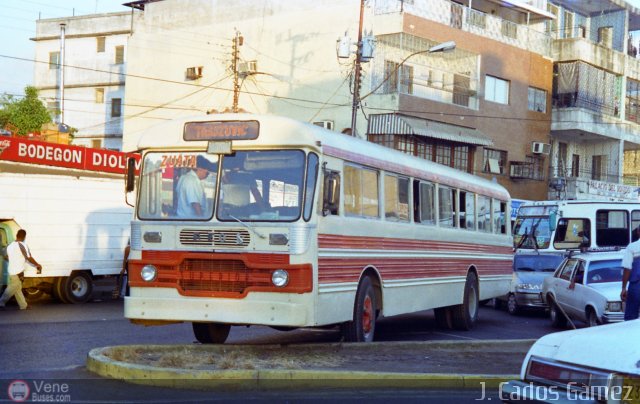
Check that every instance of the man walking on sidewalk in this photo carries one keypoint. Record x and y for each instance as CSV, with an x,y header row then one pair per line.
x,y
631,276
19,254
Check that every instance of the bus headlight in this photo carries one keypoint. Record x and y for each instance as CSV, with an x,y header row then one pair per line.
x,y
280,278
148,273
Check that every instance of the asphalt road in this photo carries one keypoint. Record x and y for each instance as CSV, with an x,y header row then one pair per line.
x,y
51,341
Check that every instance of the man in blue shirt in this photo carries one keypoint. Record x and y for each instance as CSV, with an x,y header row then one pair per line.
x,y
631,276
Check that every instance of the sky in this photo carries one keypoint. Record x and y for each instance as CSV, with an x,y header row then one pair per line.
x,y
17,25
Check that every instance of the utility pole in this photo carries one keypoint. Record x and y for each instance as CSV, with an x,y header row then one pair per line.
x,y
357,74
237,43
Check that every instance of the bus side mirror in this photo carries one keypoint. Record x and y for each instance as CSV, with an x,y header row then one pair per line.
x,y
130,181
331,197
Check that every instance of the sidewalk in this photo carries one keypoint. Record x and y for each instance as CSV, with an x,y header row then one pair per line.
x,y
430,364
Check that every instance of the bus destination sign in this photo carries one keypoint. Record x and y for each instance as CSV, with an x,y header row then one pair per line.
x,y
221,130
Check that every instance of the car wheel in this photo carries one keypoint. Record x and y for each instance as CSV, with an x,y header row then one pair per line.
x,y
211,333
512,305
558,320
592,317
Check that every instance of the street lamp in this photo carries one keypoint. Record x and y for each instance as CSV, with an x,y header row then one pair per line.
x,y
441,47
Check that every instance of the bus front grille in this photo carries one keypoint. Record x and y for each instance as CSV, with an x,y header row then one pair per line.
x,y
231,276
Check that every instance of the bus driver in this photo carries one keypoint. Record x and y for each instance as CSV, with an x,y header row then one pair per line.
x,y
192,201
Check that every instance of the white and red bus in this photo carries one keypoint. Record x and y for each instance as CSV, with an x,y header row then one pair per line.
x,y
305,227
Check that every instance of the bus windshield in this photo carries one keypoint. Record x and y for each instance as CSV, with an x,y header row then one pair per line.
x,y
532,232
254,186
262,186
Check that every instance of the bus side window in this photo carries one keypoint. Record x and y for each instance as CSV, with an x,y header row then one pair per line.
x,y
331,194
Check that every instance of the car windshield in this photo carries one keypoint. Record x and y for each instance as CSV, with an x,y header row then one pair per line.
x,y
262,186
604,271
532,233
536,262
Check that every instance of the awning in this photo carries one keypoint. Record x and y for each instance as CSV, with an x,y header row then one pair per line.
x,y
393,124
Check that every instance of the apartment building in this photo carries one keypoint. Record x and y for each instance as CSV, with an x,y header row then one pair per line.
x,y
90,95
596,99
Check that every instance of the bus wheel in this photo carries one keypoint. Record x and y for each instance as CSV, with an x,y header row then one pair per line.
x,y
76,288
363,325
211,333
465,315
443,317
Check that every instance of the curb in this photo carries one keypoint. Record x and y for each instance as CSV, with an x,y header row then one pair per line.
x,y
284,379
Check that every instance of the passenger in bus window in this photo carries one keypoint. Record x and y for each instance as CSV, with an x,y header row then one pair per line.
x,y
192,201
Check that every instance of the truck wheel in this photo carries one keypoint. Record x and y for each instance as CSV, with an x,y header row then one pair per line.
x,y
465,315
76,288
34,295
211,333
58,290
363,325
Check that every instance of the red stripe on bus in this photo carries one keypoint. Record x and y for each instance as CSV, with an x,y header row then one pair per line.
x,y
338,270
381,243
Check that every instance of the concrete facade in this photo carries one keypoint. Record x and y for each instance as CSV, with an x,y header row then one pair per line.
x,y
95,70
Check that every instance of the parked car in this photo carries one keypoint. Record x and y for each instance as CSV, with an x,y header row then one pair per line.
x,y
586,287
586,365
529,270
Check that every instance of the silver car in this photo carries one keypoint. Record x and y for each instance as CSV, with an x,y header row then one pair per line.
x,y
586,287
529,271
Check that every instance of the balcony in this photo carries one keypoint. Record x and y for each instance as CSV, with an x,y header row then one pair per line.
x,y
529,37
584,188
591,52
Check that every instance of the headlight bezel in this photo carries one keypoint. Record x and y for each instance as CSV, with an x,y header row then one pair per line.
x,y
280,278
149,273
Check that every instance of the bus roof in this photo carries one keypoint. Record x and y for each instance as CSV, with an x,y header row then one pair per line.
x,y
576,202
291,133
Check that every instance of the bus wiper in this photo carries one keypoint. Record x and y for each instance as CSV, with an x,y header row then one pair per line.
x,y
248,227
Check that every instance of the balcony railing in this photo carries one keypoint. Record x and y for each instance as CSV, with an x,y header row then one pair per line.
x,y
470,20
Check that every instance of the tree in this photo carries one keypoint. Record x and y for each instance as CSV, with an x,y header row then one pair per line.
x,y
26,115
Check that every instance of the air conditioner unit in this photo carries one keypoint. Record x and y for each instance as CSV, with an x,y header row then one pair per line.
x,y
540,148
248,67
193,73
325,124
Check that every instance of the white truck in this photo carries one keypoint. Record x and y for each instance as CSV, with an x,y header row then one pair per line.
x,y
72,205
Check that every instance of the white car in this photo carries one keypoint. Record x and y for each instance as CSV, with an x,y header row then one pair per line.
x,y
587,365
586,287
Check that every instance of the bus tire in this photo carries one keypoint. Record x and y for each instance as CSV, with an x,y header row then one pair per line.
x,y
465,315
363,325
76,288
211,333
443,318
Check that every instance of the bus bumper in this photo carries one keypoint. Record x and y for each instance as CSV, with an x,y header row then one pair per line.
x,y
166,304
